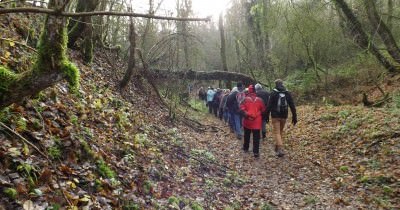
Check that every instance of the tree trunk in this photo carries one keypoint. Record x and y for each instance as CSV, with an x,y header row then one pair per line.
x,y
383,30
389,20
222,49
361,37
131,62
78,26
149,22
51,64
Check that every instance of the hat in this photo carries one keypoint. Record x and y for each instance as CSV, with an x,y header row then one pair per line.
x,y
258,86
239,85
278,82
251,89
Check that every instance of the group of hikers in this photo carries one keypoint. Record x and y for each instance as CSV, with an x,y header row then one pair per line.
x,y
251,108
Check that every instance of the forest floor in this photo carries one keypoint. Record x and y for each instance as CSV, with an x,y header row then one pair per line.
x,y
109,149
106,149
328,164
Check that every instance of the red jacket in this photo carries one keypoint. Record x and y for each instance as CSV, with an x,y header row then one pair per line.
x,y
253,107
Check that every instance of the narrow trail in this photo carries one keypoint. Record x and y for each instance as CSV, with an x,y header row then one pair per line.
x,y
285,183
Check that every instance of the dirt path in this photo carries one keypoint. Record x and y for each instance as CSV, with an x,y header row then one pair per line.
x,y
286,183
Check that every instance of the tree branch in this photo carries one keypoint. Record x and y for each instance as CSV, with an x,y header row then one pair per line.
x,y
201,75
94,13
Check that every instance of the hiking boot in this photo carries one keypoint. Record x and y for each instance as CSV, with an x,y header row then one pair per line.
x,y
239,137
280,152
276,148
256,155
264,135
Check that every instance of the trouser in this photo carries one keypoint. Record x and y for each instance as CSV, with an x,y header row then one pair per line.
x,y
238,124
226,116
231,120
256,140
210,107
220,113
264,128
215,110
277,130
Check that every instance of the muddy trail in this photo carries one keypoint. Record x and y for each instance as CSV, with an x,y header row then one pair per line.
x,y
308,177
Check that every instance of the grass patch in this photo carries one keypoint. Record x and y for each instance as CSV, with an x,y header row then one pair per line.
x,y
104,170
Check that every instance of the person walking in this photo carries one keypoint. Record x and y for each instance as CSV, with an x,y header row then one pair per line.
x,y
251,109
216,101
223,113
232,102
229,105
264,95
202,94
278,103
210,96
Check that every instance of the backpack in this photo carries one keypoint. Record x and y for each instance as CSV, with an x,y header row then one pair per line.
x,y
240,96
282,105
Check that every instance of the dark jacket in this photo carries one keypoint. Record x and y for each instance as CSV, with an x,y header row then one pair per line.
x,y
222,105
264,95
231,102
217,98
273,104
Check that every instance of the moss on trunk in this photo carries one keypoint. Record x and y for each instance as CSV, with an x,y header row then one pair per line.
x,y
51,65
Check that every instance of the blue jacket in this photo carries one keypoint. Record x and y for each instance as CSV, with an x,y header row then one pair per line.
x,y
210,95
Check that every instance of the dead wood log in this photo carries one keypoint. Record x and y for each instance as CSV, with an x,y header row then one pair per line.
x,y
200,75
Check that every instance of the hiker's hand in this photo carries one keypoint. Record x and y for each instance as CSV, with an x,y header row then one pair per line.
x,y
294,121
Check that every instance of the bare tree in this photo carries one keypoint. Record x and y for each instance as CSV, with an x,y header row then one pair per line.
x,y
131,61
384,32
222,48
361,36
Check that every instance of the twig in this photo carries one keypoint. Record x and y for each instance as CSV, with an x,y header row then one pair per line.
x,y
40,152
23,139
145,70
20,43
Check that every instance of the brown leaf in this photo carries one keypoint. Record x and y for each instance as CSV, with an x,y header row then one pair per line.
x,y
45,176
21,188
65,169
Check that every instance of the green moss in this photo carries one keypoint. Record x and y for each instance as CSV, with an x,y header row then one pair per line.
x,y
5,115
104,170
86,148
21,124
147,187
49,52
11,193
344,168
54,152
196,206
72,74
7,77
173,200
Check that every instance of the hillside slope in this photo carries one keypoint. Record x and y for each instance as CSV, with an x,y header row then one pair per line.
x,y
103,149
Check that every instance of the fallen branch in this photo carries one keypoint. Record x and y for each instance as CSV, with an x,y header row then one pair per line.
x,y
94,13
20,43
24,140
201,75
41,153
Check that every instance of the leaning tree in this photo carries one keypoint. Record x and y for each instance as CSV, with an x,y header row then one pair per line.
x,y
52,64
